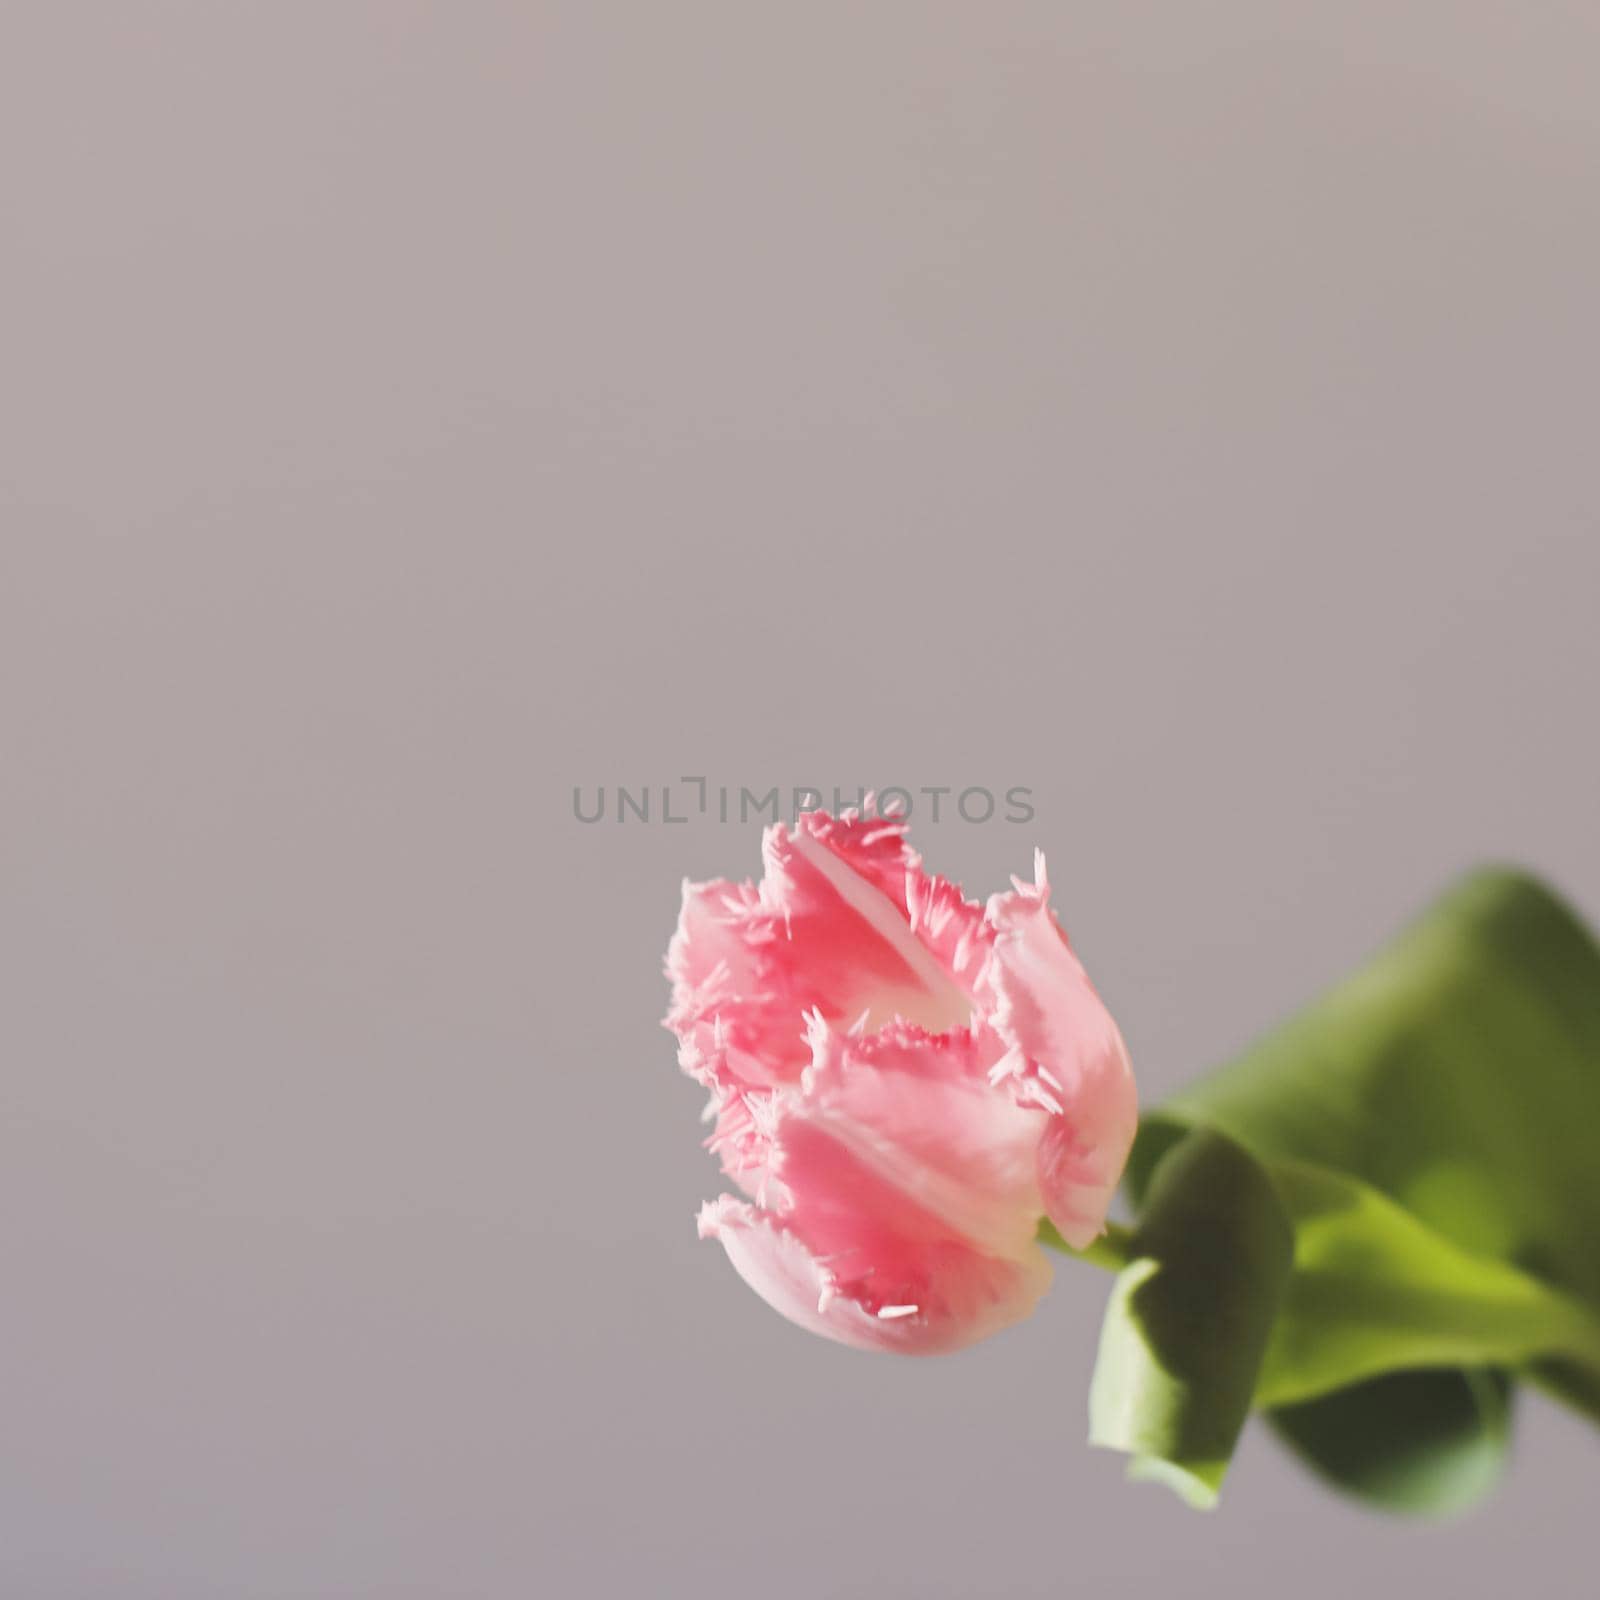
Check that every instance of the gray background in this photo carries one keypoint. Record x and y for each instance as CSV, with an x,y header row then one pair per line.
x,y
410,412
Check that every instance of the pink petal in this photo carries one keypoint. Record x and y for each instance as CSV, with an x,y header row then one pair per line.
x,y
738,1016
960,1295
1065,1053
918,1112
828,932
896,1175
852,940
949,926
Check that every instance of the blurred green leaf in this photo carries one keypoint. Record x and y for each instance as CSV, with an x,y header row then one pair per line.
x,y
1425,1136
1430,1440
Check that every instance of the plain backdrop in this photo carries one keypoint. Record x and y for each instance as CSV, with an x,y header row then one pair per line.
x,y
409,413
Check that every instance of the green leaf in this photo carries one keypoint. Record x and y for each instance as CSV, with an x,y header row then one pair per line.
x,y
1375,1290
1425,1135
1190,1317
1430,1441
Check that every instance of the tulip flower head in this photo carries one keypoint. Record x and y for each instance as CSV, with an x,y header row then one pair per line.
x,y
903,1083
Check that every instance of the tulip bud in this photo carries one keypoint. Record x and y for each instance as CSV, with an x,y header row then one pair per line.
x,y
903,1083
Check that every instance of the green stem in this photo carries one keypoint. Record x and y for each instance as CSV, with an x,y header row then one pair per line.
x,y
1112,1250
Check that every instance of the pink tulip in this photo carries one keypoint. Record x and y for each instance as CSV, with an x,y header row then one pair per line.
x,y
903,1084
